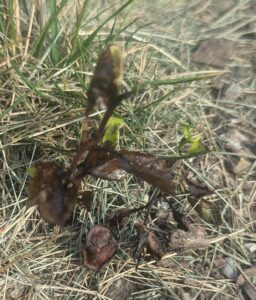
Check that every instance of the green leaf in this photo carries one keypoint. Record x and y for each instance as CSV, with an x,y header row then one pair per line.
x,y
111,134
31,171
190,143
197,146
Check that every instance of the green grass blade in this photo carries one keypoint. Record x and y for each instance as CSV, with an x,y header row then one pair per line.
x,y
80,19
48,25
55,52
87,42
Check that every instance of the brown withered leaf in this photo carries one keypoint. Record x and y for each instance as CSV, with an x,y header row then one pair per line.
x,y
214,52
105,84
248,273
229,268
101,247
101,164
104,92
248,279
250,290
51,191
180,218
87,200
198,190
148,168
207,210
147,242
154,246
190,240
109,171
109,163
118,217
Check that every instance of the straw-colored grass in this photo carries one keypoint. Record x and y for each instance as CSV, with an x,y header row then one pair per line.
x,y
47,54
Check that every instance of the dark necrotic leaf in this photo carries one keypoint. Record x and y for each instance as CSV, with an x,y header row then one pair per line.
x,y
104,92
207,210
148,168
117,218
101,247
87,200
108,164
101,164
50,190
147,242
105,84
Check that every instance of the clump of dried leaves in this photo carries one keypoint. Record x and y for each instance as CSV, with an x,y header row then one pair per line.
x,y
55,190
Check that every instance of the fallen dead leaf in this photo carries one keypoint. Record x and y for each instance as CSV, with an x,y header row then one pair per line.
x,y
248,273
51,191
250,246
191,240
17,292
250,290
214,52
147,240
101,247
242,165
207,209
232,92
234,140
247,279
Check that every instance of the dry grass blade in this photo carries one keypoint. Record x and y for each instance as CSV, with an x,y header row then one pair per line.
x,y
42,107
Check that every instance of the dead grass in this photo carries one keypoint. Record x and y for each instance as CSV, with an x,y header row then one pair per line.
x,y
42,104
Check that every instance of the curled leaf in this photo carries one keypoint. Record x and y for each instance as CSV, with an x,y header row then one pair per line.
x,y
207,210
105,84
101,247
147,242
51,191
190,143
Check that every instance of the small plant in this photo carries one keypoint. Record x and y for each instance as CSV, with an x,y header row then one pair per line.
x,y
55,190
